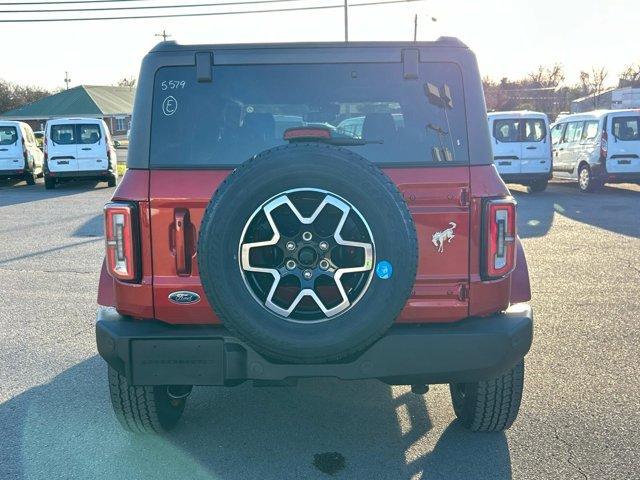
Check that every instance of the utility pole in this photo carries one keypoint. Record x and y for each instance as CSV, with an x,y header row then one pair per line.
x,y
346,20
67,80
415,26
163,34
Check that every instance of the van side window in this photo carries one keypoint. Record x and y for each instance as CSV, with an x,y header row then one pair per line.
x,y
590,131
626,128
556,133
63,134
573,132
506,130
534,130
89,133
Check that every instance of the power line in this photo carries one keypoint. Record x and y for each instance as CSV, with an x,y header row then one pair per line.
x,y
206,14
147,7
19,4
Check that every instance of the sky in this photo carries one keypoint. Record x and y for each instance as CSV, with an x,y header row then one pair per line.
x,y
510,39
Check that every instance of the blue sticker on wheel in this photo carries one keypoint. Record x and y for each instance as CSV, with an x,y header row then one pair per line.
x,y
384,270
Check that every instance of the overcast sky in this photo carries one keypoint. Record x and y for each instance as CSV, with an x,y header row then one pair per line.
x,y
509,38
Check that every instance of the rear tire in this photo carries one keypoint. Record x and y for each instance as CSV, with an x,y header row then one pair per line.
x,y
143,409
490,405
112,181
49,183
586,182
538,186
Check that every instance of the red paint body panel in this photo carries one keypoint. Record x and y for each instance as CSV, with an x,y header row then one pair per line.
x,y
448,285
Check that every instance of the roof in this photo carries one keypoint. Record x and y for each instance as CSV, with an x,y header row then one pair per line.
x,y
596,114
517,113
83,100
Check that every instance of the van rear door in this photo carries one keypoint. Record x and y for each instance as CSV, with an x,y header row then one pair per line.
x,y
624,144
535,147
62,148
507,149
10,148
91,149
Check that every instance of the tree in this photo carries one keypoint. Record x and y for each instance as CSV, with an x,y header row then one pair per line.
x,y
630,76
593,82
545,77
13,96
127,82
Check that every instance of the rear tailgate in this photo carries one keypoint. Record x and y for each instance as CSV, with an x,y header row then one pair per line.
x,y
11,157
624,144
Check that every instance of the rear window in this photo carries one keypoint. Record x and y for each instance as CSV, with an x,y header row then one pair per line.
x,y
247,108
89,133
519,130
626,128
63,134
8,135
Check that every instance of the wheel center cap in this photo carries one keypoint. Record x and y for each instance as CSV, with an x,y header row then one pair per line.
x,y
307,256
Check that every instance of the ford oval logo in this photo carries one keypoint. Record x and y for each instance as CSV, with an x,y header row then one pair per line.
x,y
184,298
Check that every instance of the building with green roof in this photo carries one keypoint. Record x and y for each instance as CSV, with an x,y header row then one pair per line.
x,y
112,104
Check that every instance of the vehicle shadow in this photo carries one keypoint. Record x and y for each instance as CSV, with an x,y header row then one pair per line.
x,y
65,429
614,208
15,193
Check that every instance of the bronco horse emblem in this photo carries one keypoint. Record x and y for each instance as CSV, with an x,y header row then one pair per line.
x,y
438,238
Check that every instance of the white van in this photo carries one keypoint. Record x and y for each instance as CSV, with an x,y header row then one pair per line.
x,y
78,148
521,148
20,157
597,147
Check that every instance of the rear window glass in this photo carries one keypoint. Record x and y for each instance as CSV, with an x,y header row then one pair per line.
x,y
89,133
63,134
247,108
519,130
626,128
8,135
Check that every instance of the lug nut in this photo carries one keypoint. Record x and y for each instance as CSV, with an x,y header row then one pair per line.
x,y
307,274
324,245
290,264
290,246
306,236
324,264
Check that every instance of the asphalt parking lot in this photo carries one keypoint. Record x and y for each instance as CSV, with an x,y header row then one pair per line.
x,y
580,411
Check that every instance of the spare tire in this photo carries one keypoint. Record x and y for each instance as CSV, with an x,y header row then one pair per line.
x,y
308,253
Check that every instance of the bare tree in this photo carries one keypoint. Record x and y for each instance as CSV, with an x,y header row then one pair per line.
x,y
630,76
14,96
544,77
127,82
593,82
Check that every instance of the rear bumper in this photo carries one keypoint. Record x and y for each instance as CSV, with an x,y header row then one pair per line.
x,y
621,177
17,173
525,178
81,174
154,353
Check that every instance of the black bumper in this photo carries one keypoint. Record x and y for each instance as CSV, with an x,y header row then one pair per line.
x,y
154,353
525,178
81,174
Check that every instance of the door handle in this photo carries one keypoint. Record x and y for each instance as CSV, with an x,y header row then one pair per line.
x,y
532,148
181,222
86,148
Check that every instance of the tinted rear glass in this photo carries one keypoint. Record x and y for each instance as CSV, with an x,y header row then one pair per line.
x,y
519,130
626,128
63,134
247,108
8,135
89,133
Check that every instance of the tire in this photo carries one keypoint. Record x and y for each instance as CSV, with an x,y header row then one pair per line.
x,y
586,182
49,183
538,186
30,178
490,405
143,409
112,181
346,176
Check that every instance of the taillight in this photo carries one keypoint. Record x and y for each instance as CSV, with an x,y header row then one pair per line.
x,y
604,146
500,237
25,154
121,234
46,142
106,142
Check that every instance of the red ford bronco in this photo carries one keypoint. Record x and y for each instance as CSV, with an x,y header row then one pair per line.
x,y
312,210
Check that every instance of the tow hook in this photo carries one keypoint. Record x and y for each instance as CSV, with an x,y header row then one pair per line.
x,y
419,389
178,392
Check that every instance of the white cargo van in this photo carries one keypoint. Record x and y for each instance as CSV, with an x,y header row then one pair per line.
x,y
78,148
20,157
521,148
597,147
